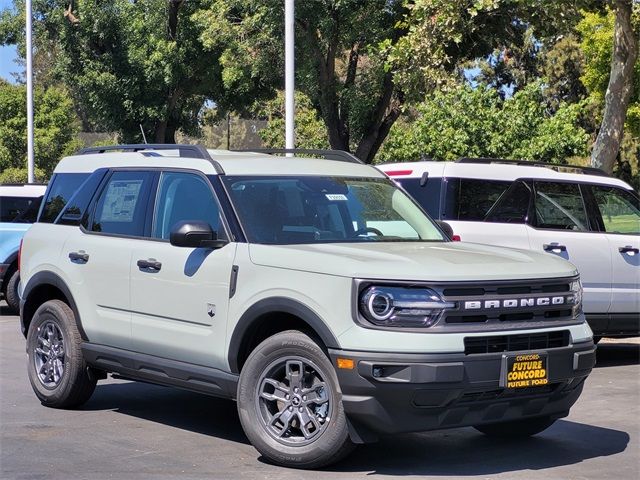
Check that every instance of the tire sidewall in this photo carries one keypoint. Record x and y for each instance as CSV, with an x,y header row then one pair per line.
x,y
330,442
11,292
52,311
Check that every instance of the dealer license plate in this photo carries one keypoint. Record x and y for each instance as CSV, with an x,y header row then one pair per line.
x,y
524,370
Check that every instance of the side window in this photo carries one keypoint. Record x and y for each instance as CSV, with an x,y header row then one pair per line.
x,y
428,196
470,199
559,206
121,207
62,188
513,206
75,212
19,209
184,196
620,210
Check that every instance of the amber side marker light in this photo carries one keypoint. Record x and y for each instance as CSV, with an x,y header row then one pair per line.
x,y
346,363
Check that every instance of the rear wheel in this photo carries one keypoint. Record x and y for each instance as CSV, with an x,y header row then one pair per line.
x,y
11,292
517,428
57,370
289,403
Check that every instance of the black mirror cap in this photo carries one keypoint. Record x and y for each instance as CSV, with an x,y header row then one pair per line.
x,y
194,234
446,228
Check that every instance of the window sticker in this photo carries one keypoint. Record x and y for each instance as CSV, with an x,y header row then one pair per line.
x,y
120,201
336,197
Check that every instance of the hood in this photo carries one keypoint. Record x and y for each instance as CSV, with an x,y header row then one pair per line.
x,y
438,261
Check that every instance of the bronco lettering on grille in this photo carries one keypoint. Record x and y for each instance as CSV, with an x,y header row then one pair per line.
x,y
514,303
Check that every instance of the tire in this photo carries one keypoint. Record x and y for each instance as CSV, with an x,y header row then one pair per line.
x,y
517,428
274,425
11,293
65,385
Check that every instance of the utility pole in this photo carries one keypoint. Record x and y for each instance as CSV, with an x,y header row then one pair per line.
x,y
30,159
289,73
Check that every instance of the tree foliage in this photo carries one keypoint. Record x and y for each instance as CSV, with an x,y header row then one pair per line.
x,y
55,129
596,33
310,131
130,63
479,123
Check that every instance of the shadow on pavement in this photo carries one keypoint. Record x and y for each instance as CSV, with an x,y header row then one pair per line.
x,y
170,406
458,452
463,452
617,354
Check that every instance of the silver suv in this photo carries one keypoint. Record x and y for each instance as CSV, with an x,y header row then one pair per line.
x,y
313,291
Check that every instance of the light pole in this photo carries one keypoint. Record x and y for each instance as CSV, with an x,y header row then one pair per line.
x,y
289,73
30,160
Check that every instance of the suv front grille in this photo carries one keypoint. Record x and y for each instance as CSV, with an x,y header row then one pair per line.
x,y
501,317
516,343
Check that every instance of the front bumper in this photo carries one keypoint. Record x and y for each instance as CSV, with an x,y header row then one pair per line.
x,y
420,392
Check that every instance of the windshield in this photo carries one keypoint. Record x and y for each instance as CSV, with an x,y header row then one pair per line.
x,y
312,209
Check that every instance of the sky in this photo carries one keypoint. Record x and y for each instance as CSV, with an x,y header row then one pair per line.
x,y
8,54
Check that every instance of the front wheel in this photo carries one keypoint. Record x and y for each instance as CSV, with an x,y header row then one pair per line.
x,y
516,428
289,403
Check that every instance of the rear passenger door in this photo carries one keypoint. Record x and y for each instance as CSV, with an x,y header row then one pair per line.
x,y
97,256
619,215
180,304
561,225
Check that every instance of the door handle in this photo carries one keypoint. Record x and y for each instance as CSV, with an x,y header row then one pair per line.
x,y
151,265
79,257
629,250
554,247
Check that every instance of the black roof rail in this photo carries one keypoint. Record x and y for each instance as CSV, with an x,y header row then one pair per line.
x,y
339,155
184,151
553,166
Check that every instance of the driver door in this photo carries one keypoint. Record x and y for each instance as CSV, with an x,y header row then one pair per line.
x,y
180,295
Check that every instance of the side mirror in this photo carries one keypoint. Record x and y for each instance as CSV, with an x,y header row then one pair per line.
x,y
194,234
446,228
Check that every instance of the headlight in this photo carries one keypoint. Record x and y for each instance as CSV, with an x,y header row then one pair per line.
x,y
401,306
576,298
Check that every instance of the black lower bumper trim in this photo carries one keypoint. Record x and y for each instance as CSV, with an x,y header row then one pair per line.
x,y
394,393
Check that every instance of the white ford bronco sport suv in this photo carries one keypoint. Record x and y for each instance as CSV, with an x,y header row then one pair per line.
x,y
576,213
313,291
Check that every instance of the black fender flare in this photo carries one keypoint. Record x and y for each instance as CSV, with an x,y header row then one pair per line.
x,y
11,258
49,278
271,305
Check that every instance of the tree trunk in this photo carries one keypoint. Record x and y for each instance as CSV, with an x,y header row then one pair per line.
x,y
619,90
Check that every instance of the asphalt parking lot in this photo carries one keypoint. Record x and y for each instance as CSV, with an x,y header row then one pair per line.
x,y
132,430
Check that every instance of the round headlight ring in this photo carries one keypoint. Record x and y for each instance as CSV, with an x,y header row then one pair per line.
x,y
380,305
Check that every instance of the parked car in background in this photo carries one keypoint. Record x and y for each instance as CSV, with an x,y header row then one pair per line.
x,y
19,206
578,213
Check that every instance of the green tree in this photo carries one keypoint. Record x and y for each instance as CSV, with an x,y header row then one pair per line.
x,y
468,122
55,129
310,131
358,62
127,63
612,75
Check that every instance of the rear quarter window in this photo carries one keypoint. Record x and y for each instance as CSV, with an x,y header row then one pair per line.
x,y
60,191
470,199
